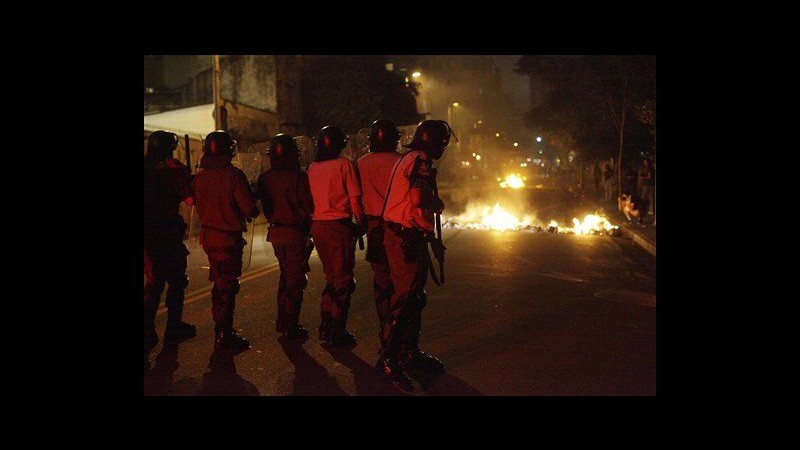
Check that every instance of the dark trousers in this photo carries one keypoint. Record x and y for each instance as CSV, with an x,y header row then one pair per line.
x,y
164,264
293,261
336,247
224,251
408,262
382,277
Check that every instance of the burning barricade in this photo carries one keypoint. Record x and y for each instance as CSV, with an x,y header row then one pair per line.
x,y
498,218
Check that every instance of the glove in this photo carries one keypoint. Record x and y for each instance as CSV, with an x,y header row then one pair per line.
x,y
438,205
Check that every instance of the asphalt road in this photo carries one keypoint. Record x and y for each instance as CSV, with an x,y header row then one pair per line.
x,y
521,314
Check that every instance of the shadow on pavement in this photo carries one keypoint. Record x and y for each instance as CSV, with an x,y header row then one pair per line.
x,y
223,379
366,380
158,379
443,384
310,378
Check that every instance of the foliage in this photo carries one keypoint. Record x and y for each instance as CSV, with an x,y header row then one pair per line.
x,y
353,91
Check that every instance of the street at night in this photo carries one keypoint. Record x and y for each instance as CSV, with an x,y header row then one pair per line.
x,y
301,210
521,313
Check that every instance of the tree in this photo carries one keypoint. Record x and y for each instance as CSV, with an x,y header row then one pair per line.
x,y
590,98
353,91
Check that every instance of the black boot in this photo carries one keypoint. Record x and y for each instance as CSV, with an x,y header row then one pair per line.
x,y
339,334
177,330
417,360
294,331
392,372
230,340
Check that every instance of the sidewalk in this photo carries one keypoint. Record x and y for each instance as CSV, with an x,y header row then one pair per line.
x,y
643,235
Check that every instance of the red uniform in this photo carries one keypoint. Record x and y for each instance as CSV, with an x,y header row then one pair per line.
x,y
166,184
224,203
286,198
409,224
337,197
375,171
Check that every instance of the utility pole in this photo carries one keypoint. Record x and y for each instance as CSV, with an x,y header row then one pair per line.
x,y
217,95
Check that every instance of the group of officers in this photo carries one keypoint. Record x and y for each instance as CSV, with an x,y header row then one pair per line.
x,y
389,196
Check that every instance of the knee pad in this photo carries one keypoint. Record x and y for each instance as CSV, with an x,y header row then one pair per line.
x,y
341,292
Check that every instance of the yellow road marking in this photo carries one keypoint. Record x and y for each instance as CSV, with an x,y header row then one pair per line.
x,y
206,291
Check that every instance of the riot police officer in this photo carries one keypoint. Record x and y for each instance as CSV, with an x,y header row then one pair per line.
x,y
285,196
167,183
375,170
409,215
224,203
337,200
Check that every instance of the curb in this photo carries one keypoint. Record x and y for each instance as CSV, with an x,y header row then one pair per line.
x,y
639,239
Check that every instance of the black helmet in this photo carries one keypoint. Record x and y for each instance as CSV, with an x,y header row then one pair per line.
x,y
384,136
283,152
160,145
219,143
330,142
432,137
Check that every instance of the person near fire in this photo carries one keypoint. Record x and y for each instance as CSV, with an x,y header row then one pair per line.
x,y
409,216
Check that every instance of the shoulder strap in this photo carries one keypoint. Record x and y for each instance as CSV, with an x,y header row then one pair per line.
x,y
391,181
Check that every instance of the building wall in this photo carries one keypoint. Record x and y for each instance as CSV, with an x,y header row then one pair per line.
x,y
249,80
250,125
289,70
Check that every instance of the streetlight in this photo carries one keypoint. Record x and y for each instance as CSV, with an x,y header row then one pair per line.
x,y
538,139
497,134
449,113
516,144
416,74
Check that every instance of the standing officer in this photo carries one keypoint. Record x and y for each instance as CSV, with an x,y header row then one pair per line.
x,y
286,198
375,169
166,183
337,199
224,203
409,215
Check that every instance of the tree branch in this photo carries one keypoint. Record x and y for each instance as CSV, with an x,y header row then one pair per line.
x,y
613,112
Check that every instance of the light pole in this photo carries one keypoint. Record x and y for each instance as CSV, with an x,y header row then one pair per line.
x,y
217,94
450,107
422,95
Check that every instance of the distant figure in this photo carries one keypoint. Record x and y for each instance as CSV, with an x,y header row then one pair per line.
x,y
632,206
375,172
337,201
629,183
167,183
224,204
597,176
286,198
646,182
608,181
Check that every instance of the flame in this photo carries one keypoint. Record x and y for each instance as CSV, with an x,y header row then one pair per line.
x,y
491,218
591,224
513,181
485,217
